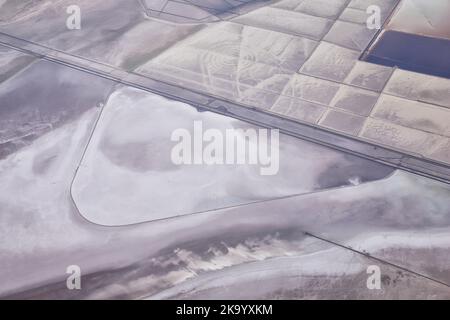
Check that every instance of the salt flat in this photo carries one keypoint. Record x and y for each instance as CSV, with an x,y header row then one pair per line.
x,y
83,157
127,175
403,219
251,56
25,110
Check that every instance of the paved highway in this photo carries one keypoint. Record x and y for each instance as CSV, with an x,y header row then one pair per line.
x,y
394,158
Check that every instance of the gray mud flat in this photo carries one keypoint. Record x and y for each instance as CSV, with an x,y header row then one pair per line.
x,y
399,218
80,157
42,97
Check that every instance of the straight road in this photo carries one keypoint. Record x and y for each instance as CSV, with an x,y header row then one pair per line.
x,y
394,158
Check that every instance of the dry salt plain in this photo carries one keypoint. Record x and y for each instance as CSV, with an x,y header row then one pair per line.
x,y
80,185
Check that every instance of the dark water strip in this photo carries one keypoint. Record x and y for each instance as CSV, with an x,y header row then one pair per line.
x,y
412,52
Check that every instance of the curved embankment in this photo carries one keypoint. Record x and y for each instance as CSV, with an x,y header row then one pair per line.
x,y
127,175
